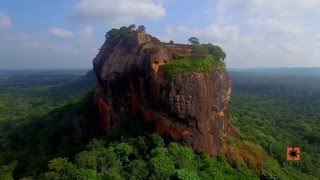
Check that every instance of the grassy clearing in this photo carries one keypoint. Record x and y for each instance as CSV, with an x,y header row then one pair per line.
x,y
195,64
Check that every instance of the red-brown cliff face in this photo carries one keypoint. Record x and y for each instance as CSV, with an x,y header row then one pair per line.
x,y
191,108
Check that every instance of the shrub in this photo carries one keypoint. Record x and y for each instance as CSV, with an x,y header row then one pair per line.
x,y
194,64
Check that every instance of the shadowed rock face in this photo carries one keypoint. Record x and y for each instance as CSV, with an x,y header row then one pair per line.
x,y
191,108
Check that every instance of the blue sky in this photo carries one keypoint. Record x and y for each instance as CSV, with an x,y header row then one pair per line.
x,y
68,33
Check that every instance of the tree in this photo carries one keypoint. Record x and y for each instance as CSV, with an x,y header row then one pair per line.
x,y
194,40
200,50
86,160
95,144
183,157
171,42
209,49
113,173
123,150
162,167
108,158
123,31
141,144
57,164
132,27
217,52
156,141
138,169
185,174
142,28
113,33
6,171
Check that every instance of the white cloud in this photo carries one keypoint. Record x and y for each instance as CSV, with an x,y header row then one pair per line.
x,y
266,33
254,47
5,21
211,33
220,33
253,33
277,25
267,6
52,47
87,32
19,37
316,39
292,48
43,50
60,32
120,11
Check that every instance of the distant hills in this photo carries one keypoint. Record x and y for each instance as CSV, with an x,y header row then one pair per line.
x,y
296,71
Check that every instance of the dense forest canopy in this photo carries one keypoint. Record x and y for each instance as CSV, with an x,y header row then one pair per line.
x,y
270,113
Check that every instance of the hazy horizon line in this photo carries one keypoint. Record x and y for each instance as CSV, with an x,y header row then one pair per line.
x,y
88,69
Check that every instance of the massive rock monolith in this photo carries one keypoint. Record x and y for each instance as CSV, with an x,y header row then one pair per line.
x,y
191,107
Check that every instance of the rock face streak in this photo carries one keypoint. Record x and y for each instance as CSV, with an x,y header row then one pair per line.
x,y
191,108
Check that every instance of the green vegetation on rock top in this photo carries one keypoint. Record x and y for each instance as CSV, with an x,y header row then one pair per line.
x,y
209,49
123,31
195,64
